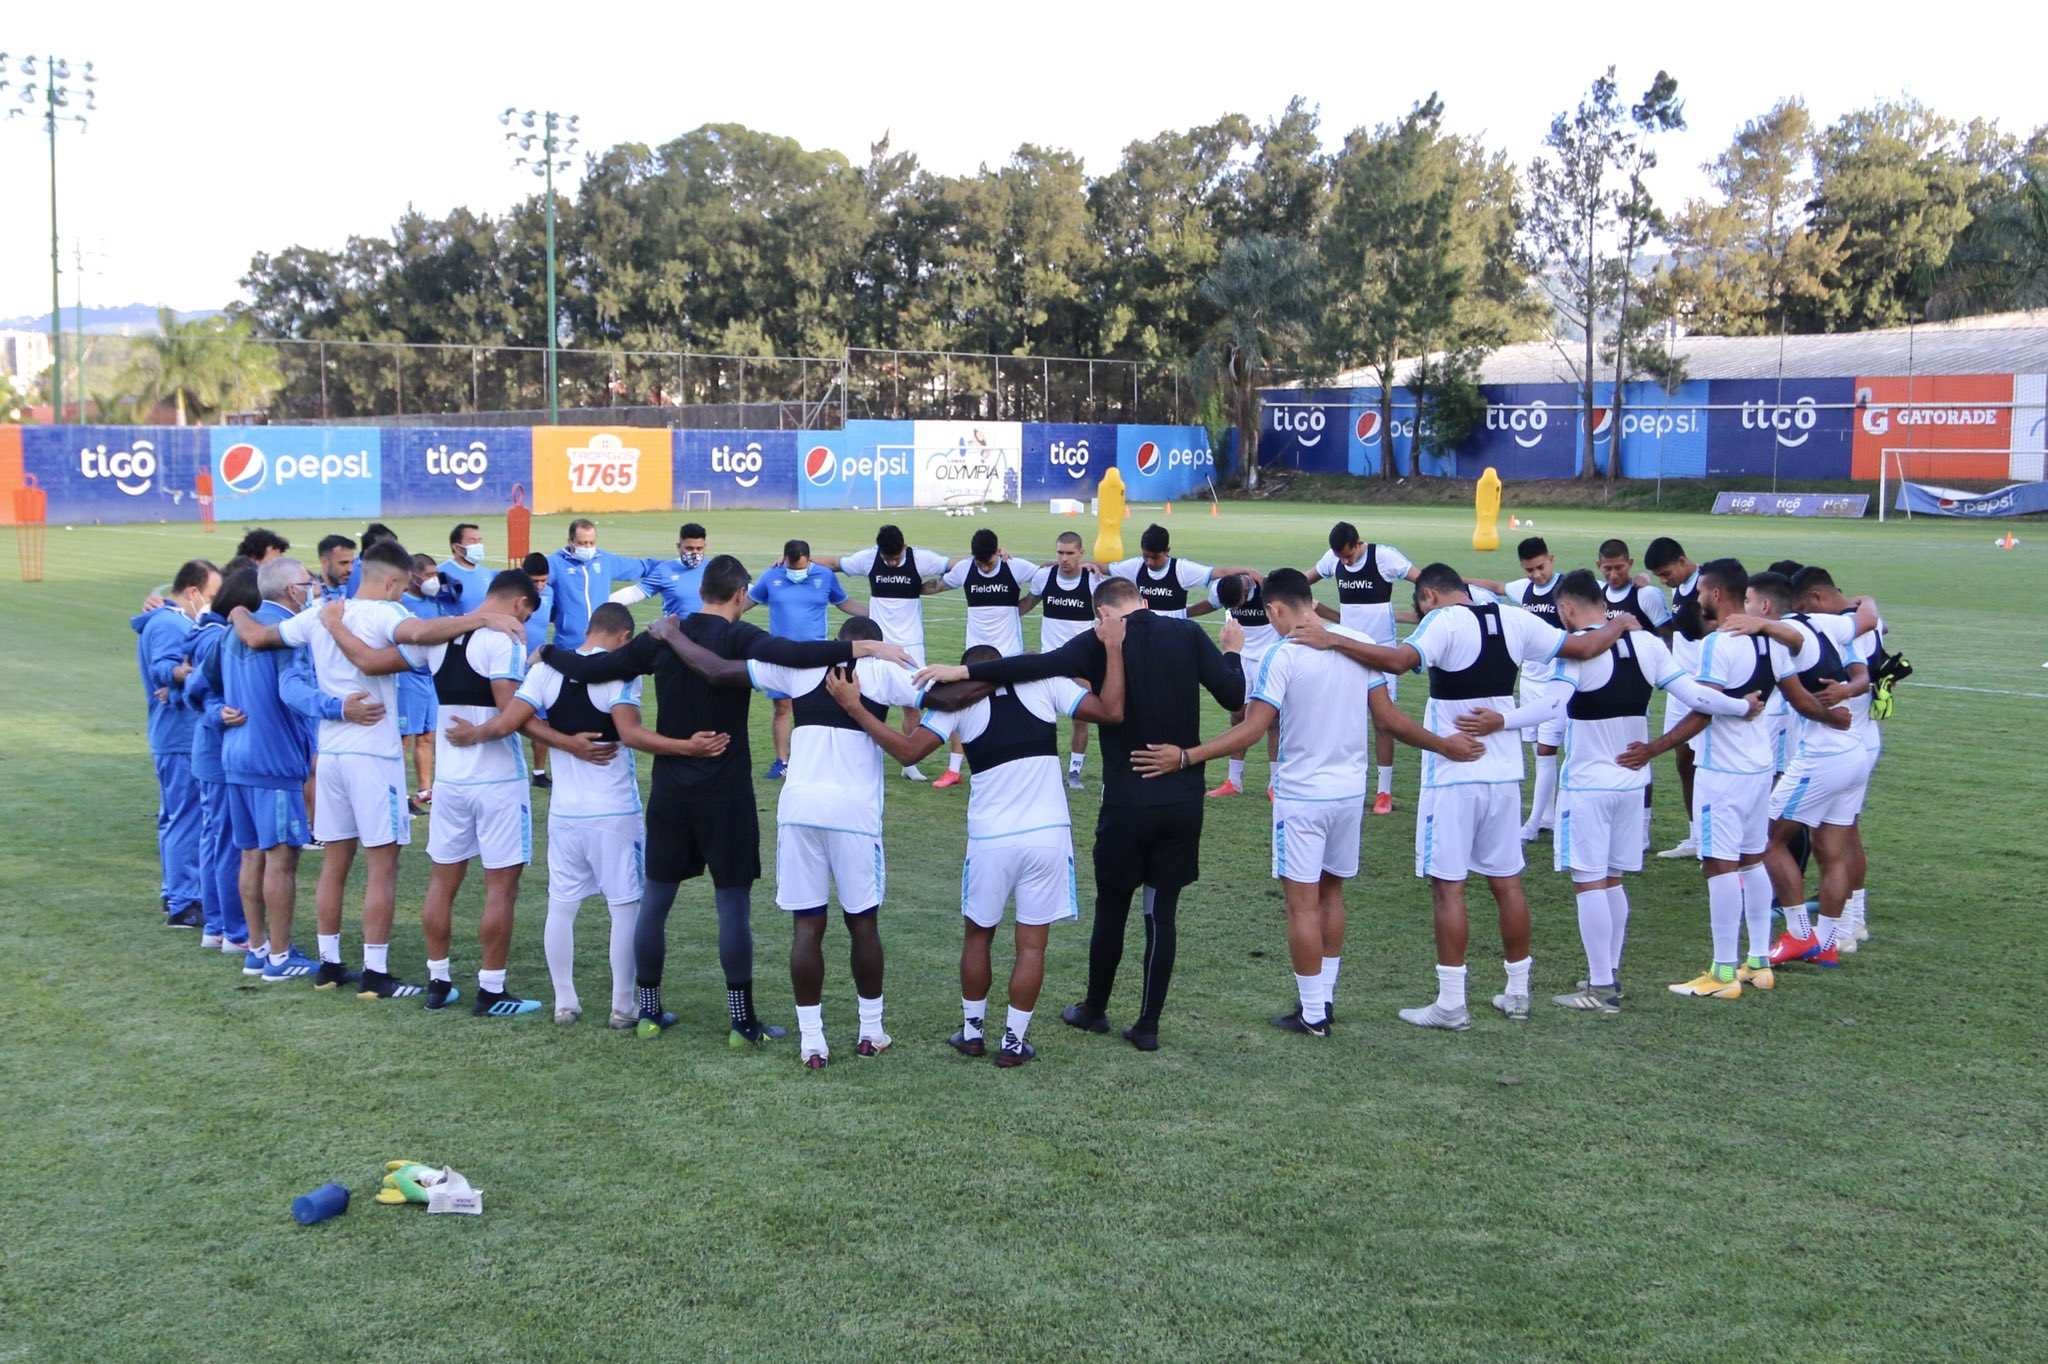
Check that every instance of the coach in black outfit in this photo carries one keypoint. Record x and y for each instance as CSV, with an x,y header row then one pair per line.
x,y
1149,833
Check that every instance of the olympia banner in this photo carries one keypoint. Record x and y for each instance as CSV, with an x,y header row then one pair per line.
x,y
2021,499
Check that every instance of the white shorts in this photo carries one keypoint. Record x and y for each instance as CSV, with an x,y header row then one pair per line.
x,y
361,796
1822,790
1732,813
1551,732
1468,828
1314,838
1599,833
1252,664
492,821
599,855
810,862
1039,875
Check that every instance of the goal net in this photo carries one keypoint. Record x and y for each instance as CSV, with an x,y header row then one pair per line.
x,y
958,479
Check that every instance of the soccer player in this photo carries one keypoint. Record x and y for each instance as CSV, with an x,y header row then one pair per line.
x,y
162,653
1019,837
1683,632
1163,580
798,595
1602,704
417,712
261,545
220,894
1148,834
1240,596
1536,592
372,534
1366,574
362,773
467,566
994,585
828,821
1064,593
897,574
337,567
701,815
535,566
1818,595
1319,784
583,576
673,580
1625,595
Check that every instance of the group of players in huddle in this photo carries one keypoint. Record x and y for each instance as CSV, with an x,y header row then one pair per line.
x,y
281,706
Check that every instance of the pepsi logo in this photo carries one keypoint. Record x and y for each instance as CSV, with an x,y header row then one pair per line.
x,y
1368,427
243,468
820,465
1148,458
1603,421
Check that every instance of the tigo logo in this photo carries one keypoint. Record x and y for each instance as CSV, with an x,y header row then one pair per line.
x,y
1525,424
1305,424
1368,428
606,465
1072,458
466,467
131,470
243,468
1781,418
744,464
1149,462
820,465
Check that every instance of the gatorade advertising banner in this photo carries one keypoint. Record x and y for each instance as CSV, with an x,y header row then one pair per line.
x,y
737,468
455,470
602,468
283,473
1963,422
114,474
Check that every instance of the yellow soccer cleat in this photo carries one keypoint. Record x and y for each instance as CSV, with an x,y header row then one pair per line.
x,y
1709,986
1759,977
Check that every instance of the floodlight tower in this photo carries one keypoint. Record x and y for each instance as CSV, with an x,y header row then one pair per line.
x,y
51,100
554,136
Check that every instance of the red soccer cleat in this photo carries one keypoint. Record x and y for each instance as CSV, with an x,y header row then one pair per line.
x,y
1229,788
1383,803
951,778
1790,949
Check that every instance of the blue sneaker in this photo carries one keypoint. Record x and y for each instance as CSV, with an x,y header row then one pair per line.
x,y
253,963
498,1004
777,770
292,967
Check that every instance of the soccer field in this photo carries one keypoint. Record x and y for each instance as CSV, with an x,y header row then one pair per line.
x,y
1849,1167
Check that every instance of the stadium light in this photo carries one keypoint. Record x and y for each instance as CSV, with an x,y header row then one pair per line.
x,y
556,138
53,95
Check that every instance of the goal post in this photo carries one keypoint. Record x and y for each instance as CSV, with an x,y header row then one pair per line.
x,y
954,478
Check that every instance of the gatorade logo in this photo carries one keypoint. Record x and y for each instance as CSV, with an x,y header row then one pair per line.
x,y
243,468
1148,458
1368,428
820,465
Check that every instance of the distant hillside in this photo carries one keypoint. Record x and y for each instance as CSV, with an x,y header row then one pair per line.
x,y
133,319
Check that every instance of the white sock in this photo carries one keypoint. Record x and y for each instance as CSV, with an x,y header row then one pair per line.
x,y
1018,1023
974,1012
539,771
1724,909
871,1018
953,761
908,768
1074,761
810,1027
625,914
1825,928
438,970
1237,771
1756,909
1386,786
1518,976
1797,921
1450,987
492,982
1331,965
1646,826
1543,802
1852,913
1692,832
278,958
1617,919
377,956
1596,935
330,947
558,938
1310,990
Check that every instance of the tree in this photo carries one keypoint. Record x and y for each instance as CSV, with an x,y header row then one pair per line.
x,y
1263,293
1449,405
1638,220
2000,262
1287,186
206,366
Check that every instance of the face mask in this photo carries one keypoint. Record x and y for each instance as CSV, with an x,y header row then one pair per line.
x,y
430,587
797,575
691,558
473,554
583,553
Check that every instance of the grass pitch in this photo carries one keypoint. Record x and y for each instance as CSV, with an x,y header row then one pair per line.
x,y
1850,1167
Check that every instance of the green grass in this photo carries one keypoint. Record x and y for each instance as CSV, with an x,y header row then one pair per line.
x,y
1850,1167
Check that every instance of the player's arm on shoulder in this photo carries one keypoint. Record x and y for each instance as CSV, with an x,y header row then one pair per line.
x,y
1590,643
253,633
793,653
714,669
369,659
1394,658
615,665
1108,707
843,685
1158,760
831,561
514,712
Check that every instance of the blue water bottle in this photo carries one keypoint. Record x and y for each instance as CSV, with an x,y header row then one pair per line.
x,y
329,1200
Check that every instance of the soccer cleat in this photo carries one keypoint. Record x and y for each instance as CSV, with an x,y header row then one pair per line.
x,y
413,807
872,1047
1845,942
967,1046
1827,958
1383,803
313,845
501,1004
1082,1017
1516,1007
754,1034
912,774
1269,795
1074,782
815,1060
1149,1041
440,994
1228,788
1015,1051
1434,1015
568,1014
650,1025
1790,949
543,782
1862,931
1589,1001
777,770
384,985
1295,1023
1707,985
1619,993
233,948
188,917
211,940
333,973
1685,847
1757,977
253,963
949,778
291,968
622,1021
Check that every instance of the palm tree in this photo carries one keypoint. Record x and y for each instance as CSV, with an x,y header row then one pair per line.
x,y
1264,290
207,365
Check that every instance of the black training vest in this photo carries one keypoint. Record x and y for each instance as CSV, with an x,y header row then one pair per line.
x,y
1762,676
1013,732
1251,612
1000,590
895,581
816,707
1542,601
1363,585
1878,653
1492,674
1685,612
1067,603
1631,606
458,684
1163,596
1624,696
574,713
1830,667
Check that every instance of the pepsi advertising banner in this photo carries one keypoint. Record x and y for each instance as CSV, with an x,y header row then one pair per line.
x,y
1663,435
114,474
283,473
738,468
1164,463
1797,428
866,465
1066,461
2021,499
455,470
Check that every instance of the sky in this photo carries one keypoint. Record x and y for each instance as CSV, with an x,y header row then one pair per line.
x,y
228,129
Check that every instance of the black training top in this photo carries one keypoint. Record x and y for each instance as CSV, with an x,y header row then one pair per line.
x,y
1166,664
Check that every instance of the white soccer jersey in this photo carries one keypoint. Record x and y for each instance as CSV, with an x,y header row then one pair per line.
x,y
1374,620
1810,738
374,623
1257,638
1024,795
493,655
835,778
1323,698
1449,638
1001,627
1053,633
1730,744
587,790
901,618
1188,574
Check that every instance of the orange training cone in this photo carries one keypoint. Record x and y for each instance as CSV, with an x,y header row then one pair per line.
x,y
2009,542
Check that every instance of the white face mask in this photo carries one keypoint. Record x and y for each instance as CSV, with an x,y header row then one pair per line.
x,y
583,553
430,587
473,554
797,575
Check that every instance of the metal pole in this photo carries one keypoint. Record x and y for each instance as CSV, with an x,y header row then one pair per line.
x,y
78,319
548,161
323,380
56,303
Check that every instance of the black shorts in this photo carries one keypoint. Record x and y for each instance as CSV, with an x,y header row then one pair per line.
x,y
684,837
1148,845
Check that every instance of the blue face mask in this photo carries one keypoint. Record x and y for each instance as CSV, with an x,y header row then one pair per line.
x,y
583,553
797,575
